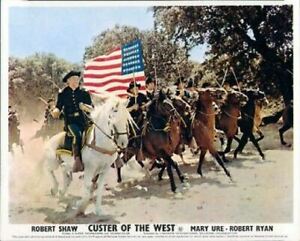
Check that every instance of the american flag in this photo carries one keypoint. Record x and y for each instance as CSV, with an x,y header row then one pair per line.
x,y
113,72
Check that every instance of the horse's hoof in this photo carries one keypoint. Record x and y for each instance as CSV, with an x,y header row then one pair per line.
x,y
53,191
80,214
178,195
61,193
186,185
200,173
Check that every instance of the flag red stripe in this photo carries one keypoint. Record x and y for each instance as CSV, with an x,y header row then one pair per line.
x,y
93,67
100,76
115,50
104,74
122,88
107,58
102,84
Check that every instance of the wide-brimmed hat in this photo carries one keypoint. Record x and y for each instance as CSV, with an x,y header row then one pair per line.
x,y
190,83
132,85
70,74
149,80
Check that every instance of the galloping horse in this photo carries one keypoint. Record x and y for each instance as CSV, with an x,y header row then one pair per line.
x,y
161,136
227,120
185,112
203,125
287,117
110,132
247,122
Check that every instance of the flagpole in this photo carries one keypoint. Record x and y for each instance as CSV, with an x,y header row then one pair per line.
x,y
155,76
235,78
135,96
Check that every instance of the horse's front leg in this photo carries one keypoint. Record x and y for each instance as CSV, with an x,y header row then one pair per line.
x,y
170,174
255,143
67,178
228,146
52,164
283,129
54,188
99,191
261,136
241,145
88,191
201,159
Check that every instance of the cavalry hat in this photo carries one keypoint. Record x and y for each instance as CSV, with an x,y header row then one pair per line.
x,y
70,74
149,80
206,85
190,83
132,85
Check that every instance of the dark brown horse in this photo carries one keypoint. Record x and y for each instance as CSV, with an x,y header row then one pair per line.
x,y
185,112
227,120
247,123
203,125
161,136
287,117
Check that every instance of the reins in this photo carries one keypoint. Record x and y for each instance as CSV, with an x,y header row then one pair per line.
x,y
93,143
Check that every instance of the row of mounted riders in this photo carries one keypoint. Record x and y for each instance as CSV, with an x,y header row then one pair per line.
x,y
170,123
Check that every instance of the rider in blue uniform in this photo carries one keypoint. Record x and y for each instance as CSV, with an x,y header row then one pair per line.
x,y
70,101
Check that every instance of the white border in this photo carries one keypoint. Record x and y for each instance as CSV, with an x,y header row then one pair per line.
x,y
292,229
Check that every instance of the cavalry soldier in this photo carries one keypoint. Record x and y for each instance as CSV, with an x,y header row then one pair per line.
x,y
72,101
180,91
48,117
136,103
13,126
150,88
191,90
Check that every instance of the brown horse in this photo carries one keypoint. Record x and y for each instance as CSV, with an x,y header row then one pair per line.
x,y
203,125
185,112
257,122
227,120
161,136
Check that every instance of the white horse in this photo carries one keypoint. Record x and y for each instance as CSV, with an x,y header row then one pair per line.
x,y
110,133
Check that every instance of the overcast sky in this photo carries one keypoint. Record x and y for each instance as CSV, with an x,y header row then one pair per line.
x,y
66,31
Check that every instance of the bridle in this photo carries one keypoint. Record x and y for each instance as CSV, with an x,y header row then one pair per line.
x,y
114,133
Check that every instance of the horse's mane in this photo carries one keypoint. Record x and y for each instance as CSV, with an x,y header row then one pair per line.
x,y
105,107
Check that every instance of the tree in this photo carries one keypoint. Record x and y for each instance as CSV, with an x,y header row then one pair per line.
x,y
35,76
257,40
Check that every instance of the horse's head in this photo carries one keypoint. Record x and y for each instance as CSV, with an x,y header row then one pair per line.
x,y
211,94
117,118
182,107
255,95
162,105
236,98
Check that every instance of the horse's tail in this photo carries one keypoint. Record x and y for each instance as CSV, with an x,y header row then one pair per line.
x,y
272,119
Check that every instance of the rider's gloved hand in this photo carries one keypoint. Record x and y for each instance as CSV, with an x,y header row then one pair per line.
x,y
55,113
85,107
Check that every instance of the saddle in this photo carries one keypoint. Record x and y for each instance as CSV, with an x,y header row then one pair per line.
x,y
66,147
